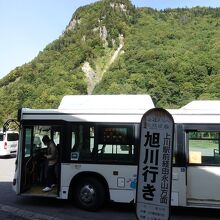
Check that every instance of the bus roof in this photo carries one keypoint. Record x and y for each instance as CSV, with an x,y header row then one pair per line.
x,y
95,108
205,111
103,103
122,108
203,105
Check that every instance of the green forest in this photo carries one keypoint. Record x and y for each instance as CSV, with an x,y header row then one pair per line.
x,y
112,47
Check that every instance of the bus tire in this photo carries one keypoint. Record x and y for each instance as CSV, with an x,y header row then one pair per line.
x,y
89,194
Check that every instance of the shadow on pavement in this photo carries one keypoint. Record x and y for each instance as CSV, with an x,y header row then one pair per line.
x,y
60,208
194,213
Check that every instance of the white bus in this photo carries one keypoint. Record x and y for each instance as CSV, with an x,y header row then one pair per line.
x,y
196,165
98,140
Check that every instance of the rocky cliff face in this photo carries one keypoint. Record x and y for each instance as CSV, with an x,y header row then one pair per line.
x,y
94,74
72,25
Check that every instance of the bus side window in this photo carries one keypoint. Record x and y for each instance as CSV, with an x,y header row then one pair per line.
x,y
74,145
116,144
92,138
73,141
203,147
82,143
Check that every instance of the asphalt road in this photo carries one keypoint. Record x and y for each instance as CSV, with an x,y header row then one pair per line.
x,y
13,207
36,208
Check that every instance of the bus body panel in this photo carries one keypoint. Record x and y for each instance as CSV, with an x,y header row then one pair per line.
x,y
85,117
193,184
178,196
120,178
122,188
203,186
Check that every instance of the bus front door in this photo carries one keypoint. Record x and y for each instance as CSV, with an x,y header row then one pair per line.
x,y
26,160
34,163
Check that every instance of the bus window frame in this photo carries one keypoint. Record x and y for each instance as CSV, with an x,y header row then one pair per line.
x,y
179,153
52,123
96,125
200,128
24,159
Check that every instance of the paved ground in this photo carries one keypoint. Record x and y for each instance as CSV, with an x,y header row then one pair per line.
x,y
9,216
6,175
16,208
9,212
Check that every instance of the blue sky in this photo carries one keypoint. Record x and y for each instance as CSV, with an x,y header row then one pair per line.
x,y
27,26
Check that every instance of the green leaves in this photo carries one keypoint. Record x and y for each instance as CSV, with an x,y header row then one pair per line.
x,y
173,55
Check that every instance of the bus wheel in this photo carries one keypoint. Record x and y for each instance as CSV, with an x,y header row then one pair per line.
x,y
89,194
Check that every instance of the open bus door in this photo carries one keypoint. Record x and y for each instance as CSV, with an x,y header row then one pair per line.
x,y
33,162
27,166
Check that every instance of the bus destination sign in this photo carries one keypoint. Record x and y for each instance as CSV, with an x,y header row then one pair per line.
x,y
155,166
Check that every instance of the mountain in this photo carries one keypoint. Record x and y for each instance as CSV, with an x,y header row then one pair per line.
x,y
111,47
